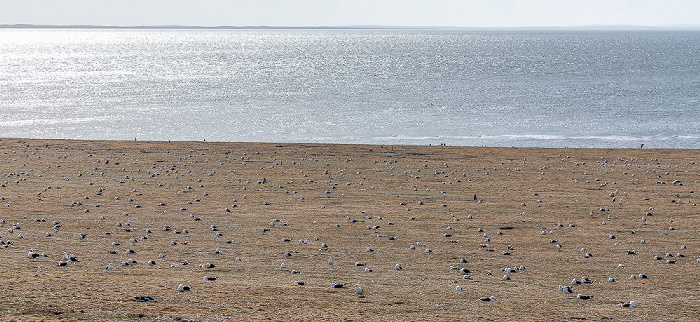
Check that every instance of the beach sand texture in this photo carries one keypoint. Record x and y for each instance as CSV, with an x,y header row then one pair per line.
x,y
264,205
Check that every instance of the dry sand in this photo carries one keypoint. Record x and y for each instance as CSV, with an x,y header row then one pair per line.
x,y
338,194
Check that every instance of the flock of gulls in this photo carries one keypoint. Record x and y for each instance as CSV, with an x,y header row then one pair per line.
x,y
126,218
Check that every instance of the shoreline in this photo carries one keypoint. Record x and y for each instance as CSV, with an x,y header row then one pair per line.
x,y
10,139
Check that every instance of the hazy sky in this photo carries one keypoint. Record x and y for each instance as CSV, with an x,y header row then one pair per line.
x,y
460,13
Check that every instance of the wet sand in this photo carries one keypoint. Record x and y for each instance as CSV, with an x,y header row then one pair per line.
x,y
423,207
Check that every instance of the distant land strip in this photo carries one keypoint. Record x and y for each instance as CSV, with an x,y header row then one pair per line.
x,y
601,27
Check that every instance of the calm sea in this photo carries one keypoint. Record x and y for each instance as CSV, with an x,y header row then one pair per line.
x,y
481,88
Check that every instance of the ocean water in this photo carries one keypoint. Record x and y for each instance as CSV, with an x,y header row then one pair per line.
x,y
476,88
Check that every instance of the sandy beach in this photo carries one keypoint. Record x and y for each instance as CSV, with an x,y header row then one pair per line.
x,y
451,217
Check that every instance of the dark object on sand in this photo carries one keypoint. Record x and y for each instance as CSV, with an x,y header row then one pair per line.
x,y
144,299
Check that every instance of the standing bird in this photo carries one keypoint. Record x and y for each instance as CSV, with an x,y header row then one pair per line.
x,y
358,290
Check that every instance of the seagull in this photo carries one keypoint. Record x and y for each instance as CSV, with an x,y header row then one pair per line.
x,y
358,290
330,260
110,266
340,285
299,283
488,299
31,254
584,297
458,288
628,304
183,288
398,267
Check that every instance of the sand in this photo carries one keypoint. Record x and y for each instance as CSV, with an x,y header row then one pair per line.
x,y
444,201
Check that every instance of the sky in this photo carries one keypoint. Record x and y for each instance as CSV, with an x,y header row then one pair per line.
x,y
295,13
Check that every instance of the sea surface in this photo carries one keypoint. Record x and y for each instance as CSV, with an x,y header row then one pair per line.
x,y
568,88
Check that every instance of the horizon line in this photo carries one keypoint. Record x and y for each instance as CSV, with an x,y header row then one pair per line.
x,y
359,27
